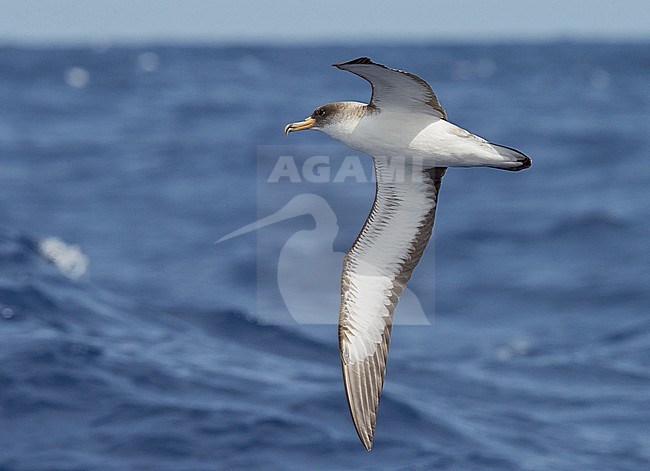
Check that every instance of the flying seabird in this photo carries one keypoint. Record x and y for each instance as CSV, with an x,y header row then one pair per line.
x,y
404,124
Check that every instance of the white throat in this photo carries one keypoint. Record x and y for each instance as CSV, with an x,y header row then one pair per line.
x,y
346,123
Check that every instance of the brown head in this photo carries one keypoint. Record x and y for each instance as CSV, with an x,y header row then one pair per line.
x,y
327,116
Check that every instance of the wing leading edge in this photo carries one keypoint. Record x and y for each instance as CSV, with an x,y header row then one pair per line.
x,y
392,88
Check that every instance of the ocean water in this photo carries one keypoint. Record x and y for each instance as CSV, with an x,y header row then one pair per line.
x,y
130,340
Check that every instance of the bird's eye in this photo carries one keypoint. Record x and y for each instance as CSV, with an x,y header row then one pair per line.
x,y
320,112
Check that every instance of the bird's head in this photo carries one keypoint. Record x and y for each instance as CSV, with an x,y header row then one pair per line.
x,y
331,118
319,119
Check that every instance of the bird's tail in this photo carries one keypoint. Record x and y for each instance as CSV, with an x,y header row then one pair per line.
x,y
515,160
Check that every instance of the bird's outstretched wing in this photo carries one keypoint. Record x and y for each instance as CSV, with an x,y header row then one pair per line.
x,y
375,272
394,89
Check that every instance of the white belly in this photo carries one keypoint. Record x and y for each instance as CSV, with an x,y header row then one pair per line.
x,y
422,138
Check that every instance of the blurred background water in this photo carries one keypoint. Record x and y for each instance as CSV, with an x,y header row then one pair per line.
x,y
129,340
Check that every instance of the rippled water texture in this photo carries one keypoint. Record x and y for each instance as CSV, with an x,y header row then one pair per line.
x,y
130,340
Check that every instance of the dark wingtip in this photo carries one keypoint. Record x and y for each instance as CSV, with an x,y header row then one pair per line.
x,y
526,163
360,60
509,152
366,442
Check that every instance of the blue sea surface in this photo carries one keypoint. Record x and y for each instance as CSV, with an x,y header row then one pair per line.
x,y
130,340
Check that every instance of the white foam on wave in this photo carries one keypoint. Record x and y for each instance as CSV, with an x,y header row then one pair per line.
x,y
148,61
515,348
69,259
77,77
